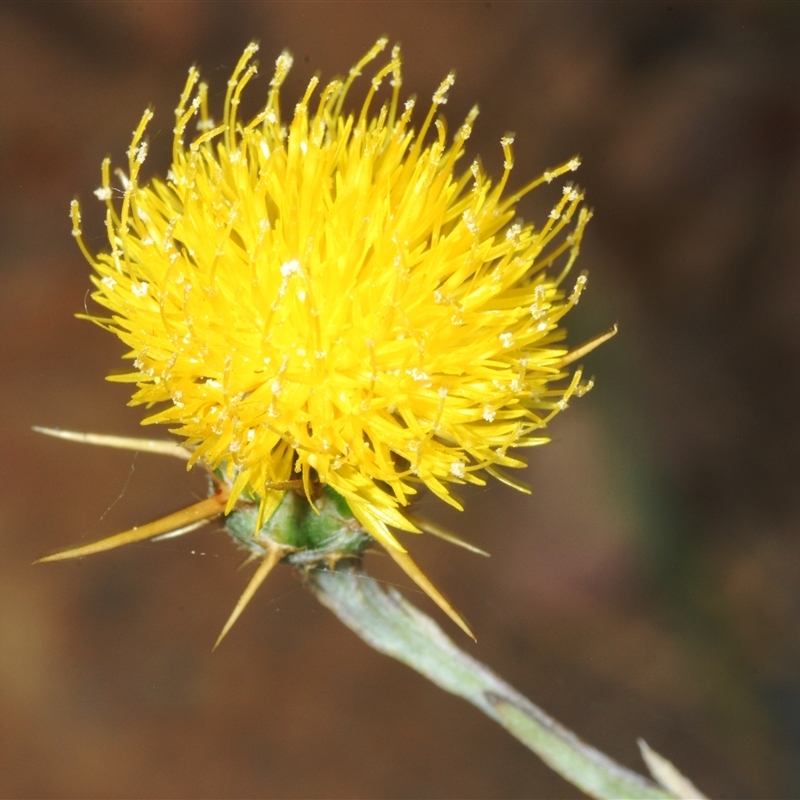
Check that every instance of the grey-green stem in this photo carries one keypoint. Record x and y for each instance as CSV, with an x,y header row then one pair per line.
x,y
325,544
390,624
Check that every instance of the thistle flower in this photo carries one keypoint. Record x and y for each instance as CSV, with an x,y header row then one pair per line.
x,y
331,302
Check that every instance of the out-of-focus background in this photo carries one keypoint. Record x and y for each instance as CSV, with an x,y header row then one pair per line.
x,y
648,588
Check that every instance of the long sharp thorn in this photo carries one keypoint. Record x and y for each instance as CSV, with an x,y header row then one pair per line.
x,y
249,560
407,564
442,533
162,447
264,568
210,507
192,526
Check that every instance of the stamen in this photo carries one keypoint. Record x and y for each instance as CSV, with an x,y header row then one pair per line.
x,y
584,349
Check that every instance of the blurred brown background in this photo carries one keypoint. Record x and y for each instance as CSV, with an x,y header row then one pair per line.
x,y
649,587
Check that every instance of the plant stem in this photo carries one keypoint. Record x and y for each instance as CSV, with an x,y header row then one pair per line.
x,y
391,625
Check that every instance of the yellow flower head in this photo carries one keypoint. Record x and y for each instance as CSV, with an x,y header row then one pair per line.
x,y
330,300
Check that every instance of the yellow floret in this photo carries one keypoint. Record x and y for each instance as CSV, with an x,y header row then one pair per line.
x,y
332,299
